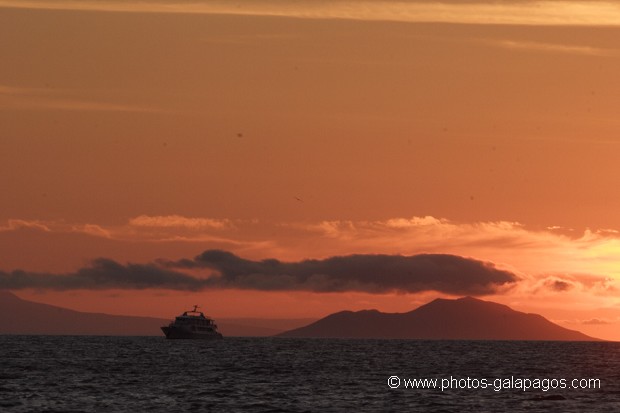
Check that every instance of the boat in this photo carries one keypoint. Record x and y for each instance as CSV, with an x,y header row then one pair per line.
x,y
192,325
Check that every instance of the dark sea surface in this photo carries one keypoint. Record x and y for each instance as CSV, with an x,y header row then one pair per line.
x,y
110,374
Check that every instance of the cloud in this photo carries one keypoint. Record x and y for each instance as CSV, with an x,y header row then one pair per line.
x,y
538,252
574,282
548,262
490,12
83,106
368,273
178,228
428,234
361,273
597,321
100,275
23,98
558,285
16,224
92,229
554,47
169,228
178,221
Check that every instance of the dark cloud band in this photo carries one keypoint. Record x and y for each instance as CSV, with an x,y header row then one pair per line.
x,y
365,273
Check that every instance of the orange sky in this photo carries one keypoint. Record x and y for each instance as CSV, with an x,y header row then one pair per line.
x,y
139,131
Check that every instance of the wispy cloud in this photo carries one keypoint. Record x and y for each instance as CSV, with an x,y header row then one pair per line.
x,y
562,283
30,98
554,48
16,224
146,228
480,12
92,229
178,221
598,321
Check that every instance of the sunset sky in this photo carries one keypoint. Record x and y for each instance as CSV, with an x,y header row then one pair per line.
x,y
154,153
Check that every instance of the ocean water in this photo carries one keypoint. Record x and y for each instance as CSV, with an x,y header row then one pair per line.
x,y
118,374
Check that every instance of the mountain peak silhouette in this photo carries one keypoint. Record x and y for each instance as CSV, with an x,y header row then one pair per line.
x,y
18,316
465,318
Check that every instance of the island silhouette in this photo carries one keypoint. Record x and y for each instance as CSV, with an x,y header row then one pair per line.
x,y
19,316
442,319
465,318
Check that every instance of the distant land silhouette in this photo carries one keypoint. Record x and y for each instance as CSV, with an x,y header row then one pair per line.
x,y
461,319
18,316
